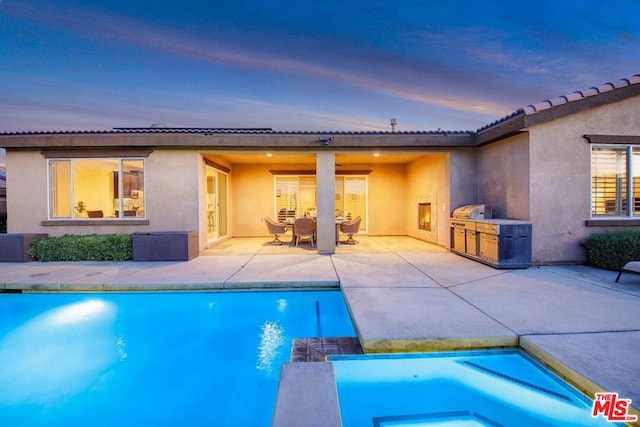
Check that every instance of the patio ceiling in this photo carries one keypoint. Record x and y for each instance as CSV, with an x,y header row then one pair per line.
x,y
310,158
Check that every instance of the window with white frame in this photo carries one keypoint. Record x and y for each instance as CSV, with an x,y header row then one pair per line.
x,y
94,188
615,181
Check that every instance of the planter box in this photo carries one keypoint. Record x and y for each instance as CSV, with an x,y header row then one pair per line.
x,y
165,246
14,247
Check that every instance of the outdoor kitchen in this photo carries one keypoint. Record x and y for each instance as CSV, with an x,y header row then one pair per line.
x,y
498,242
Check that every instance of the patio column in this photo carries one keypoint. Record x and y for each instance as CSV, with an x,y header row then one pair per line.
x,y
326,187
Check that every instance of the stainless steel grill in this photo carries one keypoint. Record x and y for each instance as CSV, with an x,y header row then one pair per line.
x,y
463,227
473,212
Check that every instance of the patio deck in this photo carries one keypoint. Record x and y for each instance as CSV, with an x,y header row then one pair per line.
x,y
405,295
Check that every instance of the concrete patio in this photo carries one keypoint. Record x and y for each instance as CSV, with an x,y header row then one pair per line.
x,y
403,295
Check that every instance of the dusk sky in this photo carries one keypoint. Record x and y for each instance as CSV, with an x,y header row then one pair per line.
x,y
302,65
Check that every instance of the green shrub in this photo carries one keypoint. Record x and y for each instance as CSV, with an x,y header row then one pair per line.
x,y
612,250
93,247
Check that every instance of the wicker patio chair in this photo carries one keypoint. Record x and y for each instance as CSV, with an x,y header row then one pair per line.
x,y
303,227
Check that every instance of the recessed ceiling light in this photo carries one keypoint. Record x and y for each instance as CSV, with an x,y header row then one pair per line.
x,y
269,154
376,154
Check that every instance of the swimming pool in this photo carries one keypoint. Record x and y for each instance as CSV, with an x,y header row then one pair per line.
x,y
154,358
472,388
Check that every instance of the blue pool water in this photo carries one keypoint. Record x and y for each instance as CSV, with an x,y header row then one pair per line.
x,y
153,359
475,388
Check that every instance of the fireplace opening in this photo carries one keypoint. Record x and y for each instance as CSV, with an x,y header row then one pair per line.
x,y
424,216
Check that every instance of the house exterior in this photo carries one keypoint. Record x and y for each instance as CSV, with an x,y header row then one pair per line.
x,y
569,165
3,193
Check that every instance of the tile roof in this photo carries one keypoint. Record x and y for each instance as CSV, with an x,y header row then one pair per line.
x,y
580,94
529,110
564,99
245,131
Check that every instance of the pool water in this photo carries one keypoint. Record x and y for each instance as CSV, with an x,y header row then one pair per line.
x,y
472,388
134,359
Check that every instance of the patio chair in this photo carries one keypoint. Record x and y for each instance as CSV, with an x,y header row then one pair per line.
x,y
351,228
630,267
303,227
276,229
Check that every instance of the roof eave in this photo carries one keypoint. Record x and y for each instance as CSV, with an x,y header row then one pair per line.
x,y
307,142
504,129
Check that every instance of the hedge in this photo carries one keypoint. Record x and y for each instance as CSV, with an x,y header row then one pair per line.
x,y
93,247
612,250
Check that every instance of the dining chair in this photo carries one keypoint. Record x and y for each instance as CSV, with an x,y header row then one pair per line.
x,y
302,228
276,229
351,228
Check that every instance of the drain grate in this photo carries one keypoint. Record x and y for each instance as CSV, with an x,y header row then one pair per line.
x,y
317,349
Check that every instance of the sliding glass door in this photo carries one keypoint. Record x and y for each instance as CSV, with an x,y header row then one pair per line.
x,y
216,206
295,196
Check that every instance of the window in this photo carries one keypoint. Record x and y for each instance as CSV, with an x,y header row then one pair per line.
x,y
96,188
615,181
296,196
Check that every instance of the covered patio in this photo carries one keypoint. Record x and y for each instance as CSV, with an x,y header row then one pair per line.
x,y
366,245
394,192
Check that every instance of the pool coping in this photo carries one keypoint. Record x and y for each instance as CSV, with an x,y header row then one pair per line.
x,y
296,398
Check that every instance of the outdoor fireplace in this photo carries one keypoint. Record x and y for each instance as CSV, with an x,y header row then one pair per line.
x,y
424,216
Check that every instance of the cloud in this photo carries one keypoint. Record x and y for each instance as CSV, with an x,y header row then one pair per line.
x,y
420,84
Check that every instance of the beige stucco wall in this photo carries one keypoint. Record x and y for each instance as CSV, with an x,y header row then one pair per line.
x,y
427,182
560,177
172,188
171,195
252,188
503,177
463,178
26,192
387,199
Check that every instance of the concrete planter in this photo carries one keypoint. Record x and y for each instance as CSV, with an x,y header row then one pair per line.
x,y
14,247
165,246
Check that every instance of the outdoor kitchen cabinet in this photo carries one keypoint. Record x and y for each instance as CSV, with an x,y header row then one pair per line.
x,y
500,243
504,243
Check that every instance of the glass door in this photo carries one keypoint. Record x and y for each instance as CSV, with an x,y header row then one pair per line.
x,y
216,205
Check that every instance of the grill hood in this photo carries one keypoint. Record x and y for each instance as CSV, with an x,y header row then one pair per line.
x,y
472,212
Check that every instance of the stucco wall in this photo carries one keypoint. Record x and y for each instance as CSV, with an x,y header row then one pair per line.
x,y
171,195
26,192
427,182
173,184
252,190
387,200
561,174
503,177
463,178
